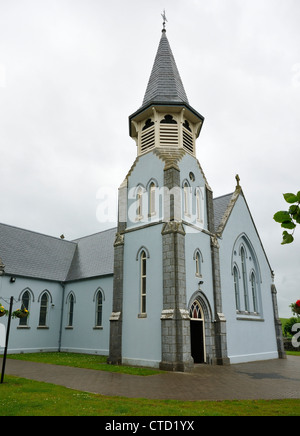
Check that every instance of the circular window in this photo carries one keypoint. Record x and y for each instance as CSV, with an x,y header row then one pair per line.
x,y
192,176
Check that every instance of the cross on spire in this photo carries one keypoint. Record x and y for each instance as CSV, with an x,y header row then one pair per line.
x,y
165,20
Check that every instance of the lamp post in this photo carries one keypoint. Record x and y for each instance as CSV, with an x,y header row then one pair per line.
x,y
6,339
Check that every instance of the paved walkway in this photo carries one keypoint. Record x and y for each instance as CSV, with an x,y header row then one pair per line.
x,y
273,379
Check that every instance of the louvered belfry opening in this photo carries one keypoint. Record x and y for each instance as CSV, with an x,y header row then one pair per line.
x,y
147,136
168,132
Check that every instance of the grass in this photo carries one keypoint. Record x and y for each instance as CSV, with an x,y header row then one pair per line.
x,y
89,361
22,397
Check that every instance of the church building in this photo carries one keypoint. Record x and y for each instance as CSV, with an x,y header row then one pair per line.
x,y
183,279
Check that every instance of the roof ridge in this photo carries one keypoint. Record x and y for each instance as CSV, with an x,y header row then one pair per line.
x,y
36,233
94,234
225,195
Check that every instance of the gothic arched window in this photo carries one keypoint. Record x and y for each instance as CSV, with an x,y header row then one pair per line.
x,y
143,266
43,309
71,301
99,304
244,274
25,305
186,199
254,292
236,288
152,199
139,203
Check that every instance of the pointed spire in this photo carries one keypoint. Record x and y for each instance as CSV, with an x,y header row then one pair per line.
x,y
165,85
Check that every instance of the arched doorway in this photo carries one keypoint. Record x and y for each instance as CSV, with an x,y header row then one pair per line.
x,y
197,333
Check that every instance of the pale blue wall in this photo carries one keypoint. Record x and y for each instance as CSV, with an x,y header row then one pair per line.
x,y
141,343
32,338
252,339
142,336
83,337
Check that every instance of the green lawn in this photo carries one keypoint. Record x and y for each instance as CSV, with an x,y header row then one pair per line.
x,y
89,361
22,397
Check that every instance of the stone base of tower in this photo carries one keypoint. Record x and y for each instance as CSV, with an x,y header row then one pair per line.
x,y
177,366
176,345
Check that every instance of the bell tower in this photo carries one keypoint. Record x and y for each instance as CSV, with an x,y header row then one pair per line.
x,y
165,121
150,321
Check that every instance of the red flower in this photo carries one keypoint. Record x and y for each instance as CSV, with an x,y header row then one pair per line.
x,y
298,303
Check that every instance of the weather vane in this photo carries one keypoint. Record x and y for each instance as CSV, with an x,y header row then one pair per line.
x,y
165,19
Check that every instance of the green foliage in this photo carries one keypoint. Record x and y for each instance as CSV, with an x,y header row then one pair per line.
x,y
3,311
288,325
290,218
89,361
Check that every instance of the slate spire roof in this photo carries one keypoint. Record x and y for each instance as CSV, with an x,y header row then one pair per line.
x,y
165,85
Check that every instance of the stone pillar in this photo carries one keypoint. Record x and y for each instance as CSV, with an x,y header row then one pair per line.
x,y
277,322
176,345
220,355
115,340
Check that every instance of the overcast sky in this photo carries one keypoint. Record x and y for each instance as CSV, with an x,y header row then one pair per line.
x,y
72,71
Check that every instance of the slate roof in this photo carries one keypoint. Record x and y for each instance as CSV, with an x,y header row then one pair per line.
x,y
30,254
220,207
94,256
165,85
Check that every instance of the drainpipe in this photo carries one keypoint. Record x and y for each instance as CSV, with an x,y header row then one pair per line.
x,y
61,316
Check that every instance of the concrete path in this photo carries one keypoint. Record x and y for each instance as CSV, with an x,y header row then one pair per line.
x,y
273,379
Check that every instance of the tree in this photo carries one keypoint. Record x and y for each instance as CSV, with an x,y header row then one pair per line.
x,y
290,218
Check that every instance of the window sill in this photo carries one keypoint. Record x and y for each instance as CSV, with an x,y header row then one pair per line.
x,y
42,327
98,327
142,315
21,327
69,327
249,316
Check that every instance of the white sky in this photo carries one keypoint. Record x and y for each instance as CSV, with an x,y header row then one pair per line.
x,y
72,71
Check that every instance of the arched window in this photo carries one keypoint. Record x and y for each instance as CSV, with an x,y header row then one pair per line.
x,y
143,281
198,258
199,206
254,292
246,277
152,198
198,264
236,288
99,303
139,203
43,309
244,274
196,311
186,199
71,302
25,305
